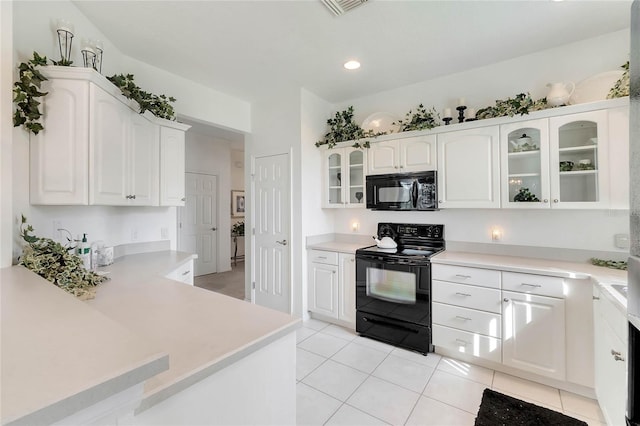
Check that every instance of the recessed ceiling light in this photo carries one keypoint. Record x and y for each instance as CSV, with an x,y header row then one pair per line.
x,y
352,65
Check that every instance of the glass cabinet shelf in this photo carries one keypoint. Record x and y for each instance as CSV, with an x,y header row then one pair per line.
x,y
579,149
578,172
517,175
532,152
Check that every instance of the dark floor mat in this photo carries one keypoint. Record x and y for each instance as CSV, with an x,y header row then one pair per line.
x,y
498,409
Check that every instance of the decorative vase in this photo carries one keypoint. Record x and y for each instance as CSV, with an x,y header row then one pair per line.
x,y
559,93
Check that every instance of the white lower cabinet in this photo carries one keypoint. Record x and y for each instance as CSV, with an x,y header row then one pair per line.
x,y
332,286
503,317
183,274
610,328
534,334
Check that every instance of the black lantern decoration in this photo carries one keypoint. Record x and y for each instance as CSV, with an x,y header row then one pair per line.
x,y
89,54
65,39
99,50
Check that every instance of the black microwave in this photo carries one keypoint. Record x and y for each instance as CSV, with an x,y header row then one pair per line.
x,y
403,191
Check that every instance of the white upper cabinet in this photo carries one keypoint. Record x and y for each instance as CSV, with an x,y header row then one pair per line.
x,y
97,149
414,154
172,167
343,178
59,155
525,164
579,160
468,168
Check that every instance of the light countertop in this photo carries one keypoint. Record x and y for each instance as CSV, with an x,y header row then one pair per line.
x,y
339,246
202,331
58,352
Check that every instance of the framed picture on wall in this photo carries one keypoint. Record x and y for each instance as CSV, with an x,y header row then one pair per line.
x,y
237,203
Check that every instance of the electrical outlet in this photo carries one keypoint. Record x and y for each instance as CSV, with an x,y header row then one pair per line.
x,y
134,235
164,233
57,234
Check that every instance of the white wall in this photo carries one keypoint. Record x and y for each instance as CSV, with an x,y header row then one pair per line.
x,y
34,30
276,130
210,156
6,131
576,229
313,114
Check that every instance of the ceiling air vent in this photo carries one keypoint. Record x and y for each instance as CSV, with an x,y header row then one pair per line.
x,y
339,7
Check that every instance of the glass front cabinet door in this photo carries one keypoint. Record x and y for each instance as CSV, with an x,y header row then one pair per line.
x,y
578,160
525,164
344,174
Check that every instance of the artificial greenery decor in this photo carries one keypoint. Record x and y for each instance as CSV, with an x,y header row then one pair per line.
x,y
614,264
621,88
343,128
157,105
419,120
521,104
237,230
524,195
57,264
26,92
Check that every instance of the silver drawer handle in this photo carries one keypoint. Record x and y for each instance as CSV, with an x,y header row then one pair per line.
x,y
322,257
463,276
463,294
463,318
186,273
462,342
531,285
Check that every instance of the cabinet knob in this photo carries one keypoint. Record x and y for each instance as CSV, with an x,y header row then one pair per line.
x,y
282,243
439,201
402,167
545,201
133,197
505,300
183,199
214,229
555,200
614,353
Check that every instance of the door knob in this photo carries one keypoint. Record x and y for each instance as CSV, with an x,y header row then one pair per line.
x,y
283,242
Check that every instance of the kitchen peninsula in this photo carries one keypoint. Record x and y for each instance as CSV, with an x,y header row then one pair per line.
x,y
146,350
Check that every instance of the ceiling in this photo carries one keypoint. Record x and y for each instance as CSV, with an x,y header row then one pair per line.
x,y
252,49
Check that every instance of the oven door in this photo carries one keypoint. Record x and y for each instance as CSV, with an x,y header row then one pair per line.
x,y
394,289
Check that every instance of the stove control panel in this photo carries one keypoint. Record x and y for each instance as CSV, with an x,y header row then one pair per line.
x,y
403,230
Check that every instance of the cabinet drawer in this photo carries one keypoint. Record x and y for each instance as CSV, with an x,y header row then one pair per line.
x,y
534,284
486,323
465,275
484,347
322,256
184,273
467,296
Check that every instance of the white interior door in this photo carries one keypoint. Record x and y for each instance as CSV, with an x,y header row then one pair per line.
x,y
272,206
198,222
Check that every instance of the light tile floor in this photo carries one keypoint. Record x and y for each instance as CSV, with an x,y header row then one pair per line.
x,y
345,379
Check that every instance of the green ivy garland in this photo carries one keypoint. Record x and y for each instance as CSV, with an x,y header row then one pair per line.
x,y
342,128
26,92
57,264
157,105
421,119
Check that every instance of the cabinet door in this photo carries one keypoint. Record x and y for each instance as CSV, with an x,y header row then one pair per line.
x,y
110,125
172,168
468,168
333,178
383,158
144,154
323,289
610,364
417,154
579,160
524,149
347,288
354,171
533,336
59,155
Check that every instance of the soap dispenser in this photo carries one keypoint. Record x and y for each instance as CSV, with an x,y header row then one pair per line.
x,y
84,252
